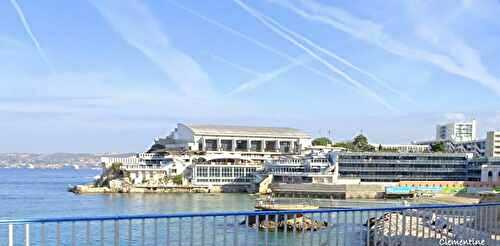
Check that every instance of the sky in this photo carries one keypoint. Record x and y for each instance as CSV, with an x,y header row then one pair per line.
x,y
110,76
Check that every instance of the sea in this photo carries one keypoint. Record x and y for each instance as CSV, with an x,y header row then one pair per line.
x,y
43,193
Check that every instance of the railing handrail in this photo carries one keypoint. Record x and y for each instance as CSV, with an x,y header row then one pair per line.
x,y
234,213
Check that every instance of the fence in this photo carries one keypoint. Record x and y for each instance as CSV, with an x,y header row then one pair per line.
x,y
422,225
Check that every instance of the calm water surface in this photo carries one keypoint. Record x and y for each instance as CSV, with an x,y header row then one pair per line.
x,y
41,193
33,193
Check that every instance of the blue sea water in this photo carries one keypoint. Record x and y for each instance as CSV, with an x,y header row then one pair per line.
x,y
41,193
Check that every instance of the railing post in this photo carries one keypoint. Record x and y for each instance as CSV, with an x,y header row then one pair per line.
x,y
129,232
42,234
87,233
27,234
117,233
58,234
143,232
11,235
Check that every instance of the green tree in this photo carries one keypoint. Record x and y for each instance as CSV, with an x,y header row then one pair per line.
x,y
360,143
322,141
115,167
360,140
346,145
177,179
438,147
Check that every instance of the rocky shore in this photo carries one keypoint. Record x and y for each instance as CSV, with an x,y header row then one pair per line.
x,y
91,188
300,223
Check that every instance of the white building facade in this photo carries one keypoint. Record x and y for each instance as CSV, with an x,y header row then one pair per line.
x,y
490,174
255,142
149,167
223,169
456,132
404,148
493,144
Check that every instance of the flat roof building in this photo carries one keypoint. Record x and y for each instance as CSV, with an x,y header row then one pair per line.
x,y
456,131
395,167
403,148
250,141
493,144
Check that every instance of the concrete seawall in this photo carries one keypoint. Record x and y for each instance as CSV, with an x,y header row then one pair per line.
x,y
345,191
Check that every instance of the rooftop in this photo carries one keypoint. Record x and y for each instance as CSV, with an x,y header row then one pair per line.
x,y
247,131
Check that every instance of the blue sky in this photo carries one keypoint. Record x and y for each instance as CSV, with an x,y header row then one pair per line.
x,y
95,76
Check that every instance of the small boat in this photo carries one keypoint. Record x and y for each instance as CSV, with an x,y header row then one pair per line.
x,y
30,166
76,167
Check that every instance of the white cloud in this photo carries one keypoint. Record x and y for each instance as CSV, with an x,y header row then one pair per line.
x,y
458,58
141,30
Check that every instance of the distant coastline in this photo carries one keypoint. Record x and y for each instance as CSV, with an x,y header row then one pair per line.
x,y
54,160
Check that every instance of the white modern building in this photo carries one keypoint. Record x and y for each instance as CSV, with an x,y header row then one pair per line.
x,y
253,142
315,168
217,170
404,148
493,144
456,132
149,167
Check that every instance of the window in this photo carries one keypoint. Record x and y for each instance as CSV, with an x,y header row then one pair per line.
x,y
239,171
241,145
226,172
227,145
255,146
285,147
214,172
270,146
211,145
202,172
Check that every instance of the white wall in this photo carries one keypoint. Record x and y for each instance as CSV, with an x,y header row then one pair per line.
x,y
495,171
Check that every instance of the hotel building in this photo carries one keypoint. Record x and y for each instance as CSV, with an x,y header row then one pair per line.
x,y
456,131
349,167
258,143
395,167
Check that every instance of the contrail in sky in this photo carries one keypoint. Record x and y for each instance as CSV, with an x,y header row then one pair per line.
x,y
237,66
365,90
338,58
255,42
27,28
266,77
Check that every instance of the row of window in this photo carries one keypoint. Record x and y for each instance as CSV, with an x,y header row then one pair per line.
x,y
402,166
228,171
225,181
403,158
407,174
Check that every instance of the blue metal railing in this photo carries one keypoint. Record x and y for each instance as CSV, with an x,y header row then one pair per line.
x,y
423,225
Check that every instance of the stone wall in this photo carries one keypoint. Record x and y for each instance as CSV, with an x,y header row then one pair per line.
x,y
364,191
